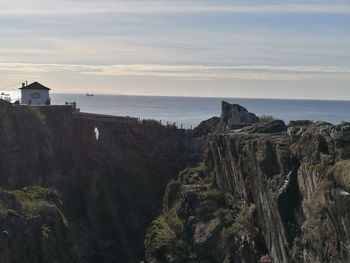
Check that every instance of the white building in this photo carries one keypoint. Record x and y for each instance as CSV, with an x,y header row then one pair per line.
x,y
35,94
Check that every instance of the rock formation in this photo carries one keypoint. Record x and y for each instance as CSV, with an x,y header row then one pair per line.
x,y
260,197
111,188
235,116
33,227
268,192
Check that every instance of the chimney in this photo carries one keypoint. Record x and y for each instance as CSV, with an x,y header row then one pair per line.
x,y
23,85
26,82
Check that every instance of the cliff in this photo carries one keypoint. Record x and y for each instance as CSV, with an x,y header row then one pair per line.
x,y
267,192
111,188
33,227
260,196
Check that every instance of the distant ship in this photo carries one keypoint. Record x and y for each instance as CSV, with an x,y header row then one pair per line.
x,y
89,94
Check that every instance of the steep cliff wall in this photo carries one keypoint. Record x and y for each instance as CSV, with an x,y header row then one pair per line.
x,y
111,188
123,176
260,197
34,145
267,193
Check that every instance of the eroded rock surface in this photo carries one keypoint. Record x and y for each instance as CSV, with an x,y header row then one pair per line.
x,y
261,197
33,227
235,116
265,193
111,188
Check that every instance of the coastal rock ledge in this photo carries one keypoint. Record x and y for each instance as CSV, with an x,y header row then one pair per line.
x,y
260,195
262,191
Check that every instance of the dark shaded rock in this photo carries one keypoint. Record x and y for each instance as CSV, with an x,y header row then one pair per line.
x,y
274,126
32,228
207,127
300,123
111,188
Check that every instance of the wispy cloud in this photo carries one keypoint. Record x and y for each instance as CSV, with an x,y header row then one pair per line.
x,y
90,7
187,72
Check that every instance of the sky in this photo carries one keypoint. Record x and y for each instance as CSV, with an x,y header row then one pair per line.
x,y
293,49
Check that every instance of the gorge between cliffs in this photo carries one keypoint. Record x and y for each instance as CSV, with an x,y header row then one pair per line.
x,y
234,189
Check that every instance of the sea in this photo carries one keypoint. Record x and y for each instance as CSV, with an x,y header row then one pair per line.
x,y
190,111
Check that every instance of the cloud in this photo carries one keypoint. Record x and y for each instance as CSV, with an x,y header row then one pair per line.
x,y
290,73
150,7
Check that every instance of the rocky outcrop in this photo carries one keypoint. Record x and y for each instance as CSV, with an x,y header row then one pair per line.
x,y
273,126
33,227
200,223
235,116
261,197
207,127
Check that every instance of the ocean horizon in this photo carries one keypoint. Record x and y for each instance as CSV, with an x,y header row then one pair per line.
x,y
190,111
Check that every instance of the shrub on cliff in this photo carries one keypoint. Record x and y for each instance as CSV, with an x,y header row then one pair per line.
x,y
266,118
163,240
39,230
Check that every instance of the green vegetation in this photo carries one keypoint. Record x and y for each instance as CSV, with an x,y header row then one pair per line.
x,y
266,118
242,223
211,201
34,202
31,193
319,167
173,220
163,239
213,195
161,233
199,168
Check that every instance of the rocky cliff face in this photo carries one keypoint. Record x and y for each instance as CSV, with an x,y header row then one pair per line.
x,y
122,178
264,193
111,188
260,197
33,227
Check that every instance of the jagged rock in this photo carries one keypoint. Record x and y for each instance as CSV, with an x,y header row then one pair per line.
x,y
300,123
235,116
206,222
292,188
274,126
207,127
33,228
257,195
298,203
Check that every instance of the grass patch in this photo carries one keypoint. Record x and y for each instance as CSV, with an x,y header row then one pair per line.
x,y
266,118
33,203
31,193
199,168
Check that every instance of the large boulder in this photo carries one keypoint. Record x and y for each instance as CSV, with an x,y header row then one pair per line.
x,y
235,116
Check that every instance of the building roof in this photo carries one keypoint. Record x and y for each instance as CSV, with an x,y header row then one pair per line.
x,y
35,85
